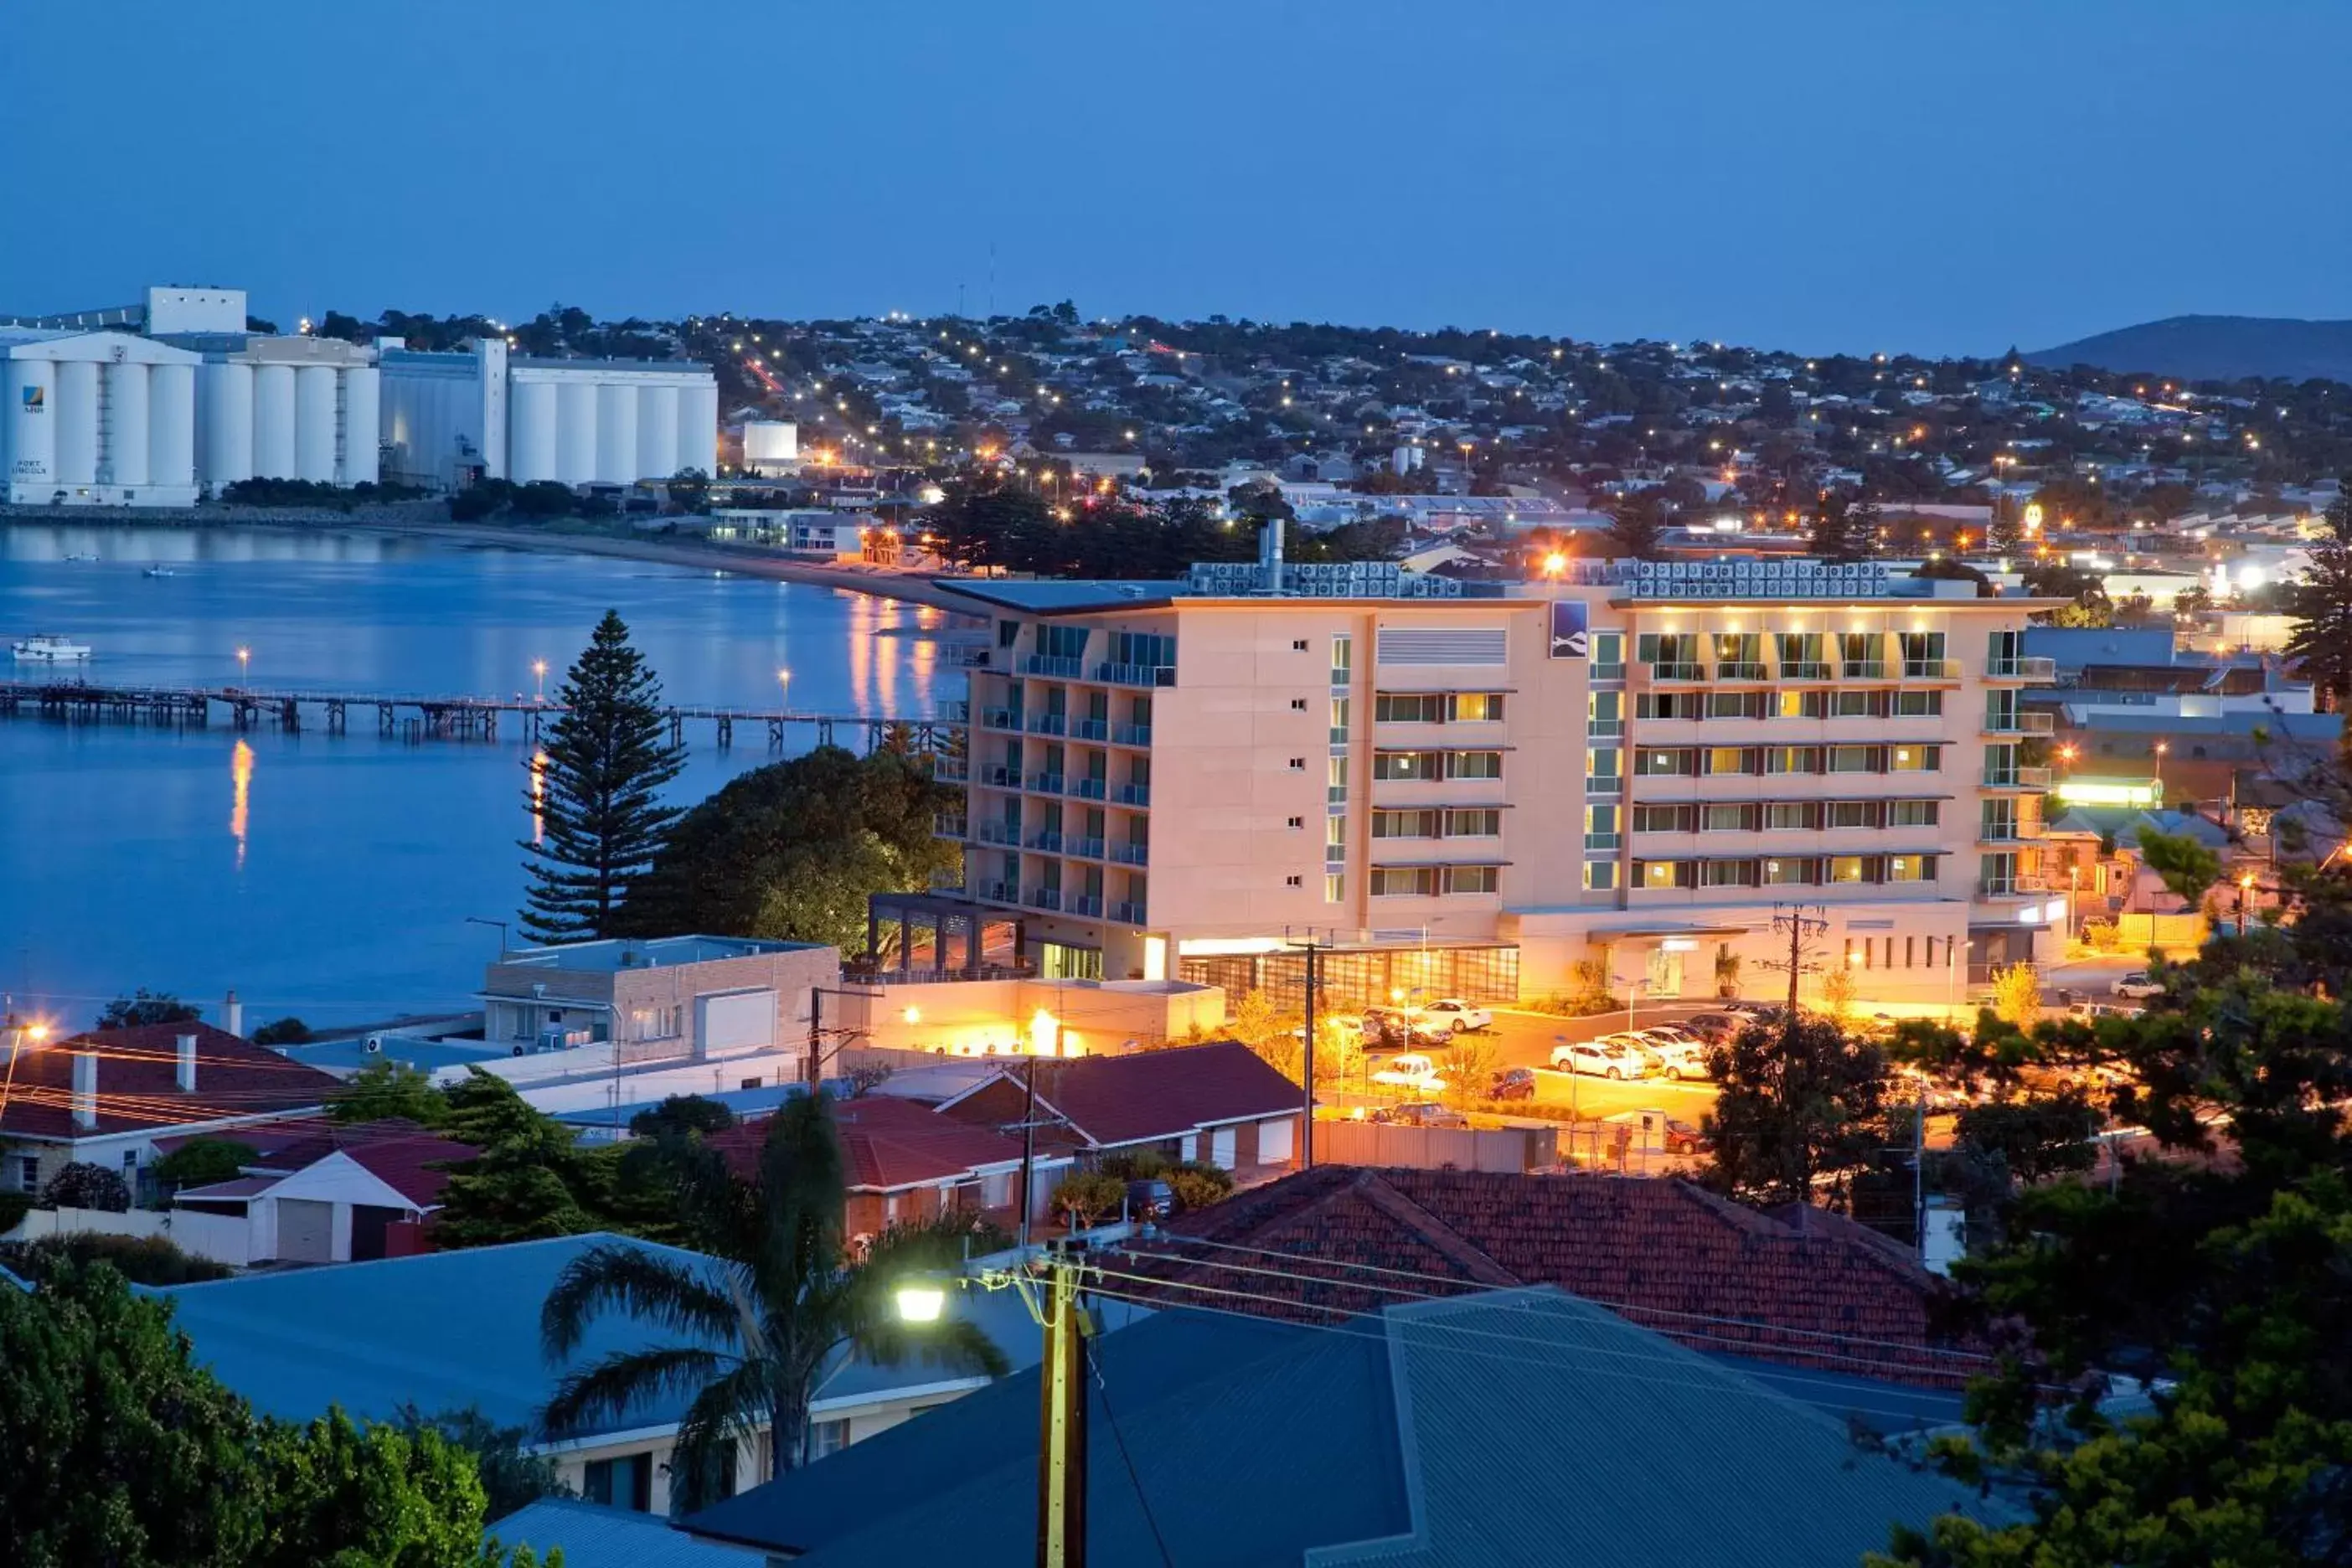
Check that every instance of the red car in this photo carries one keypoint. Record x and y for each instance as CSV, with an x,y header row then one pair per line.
x,y
1513,1083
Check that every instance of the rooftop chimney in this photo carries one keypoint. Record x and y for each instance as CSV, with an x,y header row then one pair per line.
x,y
85,1091
233,1016
187,1064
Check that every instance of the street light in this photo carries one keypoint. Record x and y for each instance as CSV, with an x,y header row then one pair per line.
x,y
243,661
2161,747
26,1037
2245,886
538,675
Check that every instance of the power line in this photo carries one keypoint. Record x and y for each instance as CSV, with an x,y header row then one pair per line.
x,y
1093,1362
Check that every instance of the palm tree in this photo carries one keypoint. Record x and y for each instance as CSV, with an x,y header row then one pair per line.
x,y
758,1324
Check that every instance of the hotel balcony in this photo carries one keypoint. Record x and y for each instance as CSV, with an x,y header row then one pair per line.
x,y
2032,671
1048,724
1931,669
1044,898
1090,729
954,712
1864,669
1044,784
1133,794
950,769
951,827
1131,735
1131,854
2011,832
1000,719
1047,843
1742,670
999,892
2020,723
1088,904
1007,833
1088,788
1136,674
2025,885
1676,674
2017,778
1804,669
1085,848
1053,665
1126,914
1001,777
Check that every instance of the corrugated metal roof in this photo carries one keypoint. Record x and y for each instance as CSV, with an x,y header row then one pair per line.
x,y
596,1537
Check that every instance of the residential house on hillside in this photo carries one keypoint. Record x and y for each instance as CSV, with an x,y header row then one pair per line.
x,y
907,1161
1511,1426
108,1097
322,1192
1793,1286
1219,1102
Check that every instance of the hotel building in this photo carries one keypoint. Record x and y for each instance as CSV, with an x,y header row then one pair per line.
x,y
1466,790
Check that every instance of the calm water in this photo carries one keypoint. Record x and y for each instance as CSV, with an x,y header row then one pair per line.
x,y
331,876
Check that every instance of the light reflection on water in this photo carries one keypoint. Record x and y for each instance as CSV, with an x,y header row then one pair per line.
x,y
350,903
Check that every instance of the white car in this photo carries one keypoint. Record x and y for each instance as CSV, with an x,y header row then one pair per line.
x,y
2136,985
1599,1059
1457,1015
1679,1059
1411,1070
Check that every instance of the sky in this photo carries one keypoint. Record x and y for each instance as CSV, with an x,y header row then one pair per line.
x,y
1817,176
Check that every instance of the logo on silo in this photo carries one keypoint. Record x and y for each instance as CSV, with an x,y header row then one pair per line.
x,y
37,399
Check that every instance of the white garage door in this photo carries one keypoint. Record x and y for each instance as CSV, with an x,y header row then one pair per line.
x,y
1274,1140
306,1231
735,1020
1221,1147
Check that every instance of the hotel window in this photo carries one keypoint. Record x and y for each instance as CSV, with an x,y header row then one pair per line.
x,y
1609,655
1406,824
1487,823
1477,707
1671,656
1916,759
1854,759
1665,873
1858,705
1294,881
1736,704
1665,819
1335,887
627,1482
1800,704
1728,874
1405,881
1911,813
826,1439
1791,815
1603,770
1150,650
1678,762
1299,645
1801,657
1734,759
1335,836
1335,792
1739,655
1860,654
1849,867
1408,766
1600,876
1298,705
1745,817
1472,879
1910,868
1343,659
1669,704
1409,708
1600,826
1338,720
1475,765
1604,713
1792,759
1923,654
1919,704
1796,870
1853,814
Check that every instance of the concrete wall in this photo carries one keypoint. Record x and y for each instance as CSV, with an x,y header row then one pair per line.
x,y
220,1237
1516,1149
988,1018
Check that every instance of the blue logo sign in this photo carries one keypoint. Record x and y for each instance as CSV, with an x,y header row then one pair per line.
x,y
1570,628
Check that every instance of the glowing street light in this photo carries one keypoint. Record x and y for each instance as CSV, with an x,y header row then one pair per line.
x,y
538,675
243,661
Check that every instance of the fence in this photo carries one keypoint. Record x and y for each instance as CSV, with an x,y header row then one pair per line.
x,y
1509,1149
224,1238
2136,934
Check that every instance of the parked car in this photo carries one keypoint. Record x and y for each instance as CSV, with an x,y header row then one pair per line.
x,y
1600,1058
1347,1028
1396,1027
1657,1129
1150,1198
1513,1083
1420,1113
1679,1059
2136,985
1748,1009
2090,1010
1457,1015
1411,1070
1910,1086
1714,1029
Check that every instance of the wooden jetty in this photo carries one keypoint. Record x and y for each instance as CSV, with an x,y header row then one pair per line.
x,y
429,717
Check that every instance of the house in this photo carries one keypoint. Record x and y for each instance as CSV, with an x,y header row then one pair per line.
x,y
1219,1102
444,1330
1793,1286
321,1192
1510,1426
107,1097
907,1162
664,999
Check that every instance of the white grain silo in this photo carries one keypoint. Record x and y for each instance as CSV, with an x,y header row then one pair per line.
x,y
531,454
28,442
171,425
616,433
122,425
363,429
698,426
314,423
657,431
224,414
78,422
575,431
273,421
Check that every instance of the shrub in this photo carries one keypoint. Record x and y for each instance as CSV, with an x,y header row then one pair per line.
x,y
1083,1197
2102,936
85,1186
201,1161
1196,1187
14,1207
1140,1165
284,1032
141,1259
1217,1175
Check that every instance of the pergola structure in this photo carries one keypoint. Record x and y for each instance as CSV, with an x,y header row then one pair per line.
x,y
946,919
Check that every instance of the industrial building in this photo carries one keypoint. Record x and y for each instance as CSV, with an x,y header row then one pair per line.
x,y
772,447
96,419
452,417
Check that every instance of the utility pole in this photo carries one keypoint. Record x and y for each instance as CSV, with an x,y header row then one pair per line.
x,y
1062,1458
1306,1059
1804,925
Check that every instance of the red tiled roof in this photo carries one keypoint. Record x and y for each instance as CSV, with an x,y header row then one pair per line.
x,y
888,1145
1663,1254
1147,1096
137,1084
396,1152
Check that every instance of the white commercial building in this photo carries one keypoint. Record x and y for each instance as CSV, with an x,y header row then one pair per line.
x,y
772,447
449,418
96,419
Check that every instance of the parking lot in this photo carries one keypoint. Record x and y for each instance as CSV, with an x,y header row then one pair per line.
x,y
1525,1039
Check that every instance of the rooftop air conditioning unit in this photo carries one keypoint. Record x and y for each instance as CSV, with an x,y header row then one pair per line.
x,y
373,1045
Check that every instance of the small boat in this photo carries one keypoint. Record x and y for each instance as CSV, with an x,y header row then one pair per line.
x,y
83,556
47,647
159,570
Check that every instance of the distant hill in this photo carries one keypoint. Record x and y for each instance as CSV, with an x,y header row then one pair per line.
x,y
2215,348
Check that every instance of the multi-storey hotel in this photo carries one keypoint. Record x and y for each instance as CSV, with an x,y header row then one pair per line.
x,y
1470,791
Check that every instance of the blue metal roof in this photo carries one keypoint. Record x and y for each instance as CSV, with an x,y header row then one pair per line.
x,y
443,1330
594,1536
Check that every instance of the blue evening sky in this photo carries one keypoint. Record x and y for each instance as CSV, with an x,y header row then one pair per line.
x,y
1814,175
